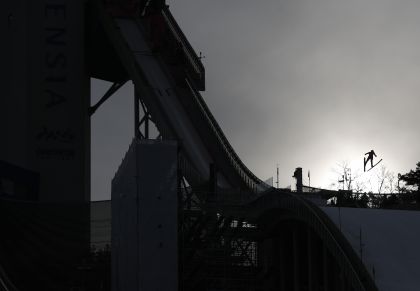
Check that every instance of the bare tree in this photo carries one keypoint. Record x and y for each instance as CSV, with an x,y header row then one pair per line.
x,y
392,186
359,186
381,176
343,171
386,180
348,178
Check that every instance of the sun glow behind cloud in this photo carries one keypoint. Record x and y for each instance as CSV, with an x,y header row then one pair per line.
x,y
306,83
311,83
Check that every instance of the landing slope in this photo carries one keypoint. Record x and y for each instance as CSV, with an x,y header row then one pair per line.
x,y
387,241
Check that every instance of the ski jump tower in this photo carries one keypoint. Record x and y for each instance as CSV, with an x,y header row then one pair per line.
x,y
185,207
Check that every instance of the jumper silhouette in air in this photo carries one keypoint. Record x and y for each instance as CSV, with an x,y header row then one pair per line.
x,y
370,158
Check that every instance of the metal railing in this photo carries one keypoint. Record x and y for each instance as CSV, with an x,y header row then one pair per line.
x,y
247,176
252,181
193,60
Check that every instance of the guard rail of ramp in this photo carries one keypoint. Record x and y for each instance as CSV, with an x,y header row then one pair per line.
x,y
182,114
159,92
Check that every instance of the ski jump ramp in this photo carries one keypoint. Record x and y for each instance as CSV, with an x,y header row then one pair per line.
x,y
181,114
283,241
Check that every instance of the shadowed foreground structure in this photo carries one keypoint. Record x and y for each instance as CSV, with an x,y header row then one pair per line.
x,y
233,231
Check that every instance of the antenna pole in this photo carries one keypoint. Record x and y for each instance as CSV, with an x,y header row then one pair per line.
x,y
309,176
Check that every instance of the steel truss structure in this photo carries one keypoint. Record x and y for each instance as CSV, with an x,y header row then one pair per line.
x,y
285,244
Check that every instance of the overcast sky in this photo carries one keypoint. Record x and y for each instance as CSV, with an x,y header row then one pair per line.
x,y
306,83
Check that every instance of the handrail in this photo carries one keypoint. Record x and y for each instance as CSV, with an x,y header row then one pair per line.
x,y
250,179
179,36
253,182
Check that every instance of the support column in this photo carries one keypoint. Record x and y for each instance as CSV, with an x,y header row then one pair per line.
x,y
295,242
282,265
142,129
342,280
287,254
136,114
325,262
311,277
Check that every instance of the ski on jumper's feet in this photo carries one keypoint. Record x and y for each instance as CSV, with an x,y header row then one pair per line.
x,y
374,165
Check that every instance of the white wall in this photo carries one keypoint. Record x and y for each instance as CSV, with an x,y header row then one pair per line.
x,y
144,218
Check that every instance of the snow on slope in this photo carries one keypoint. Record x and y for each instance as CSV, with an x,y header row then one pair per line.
x,y
389,244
